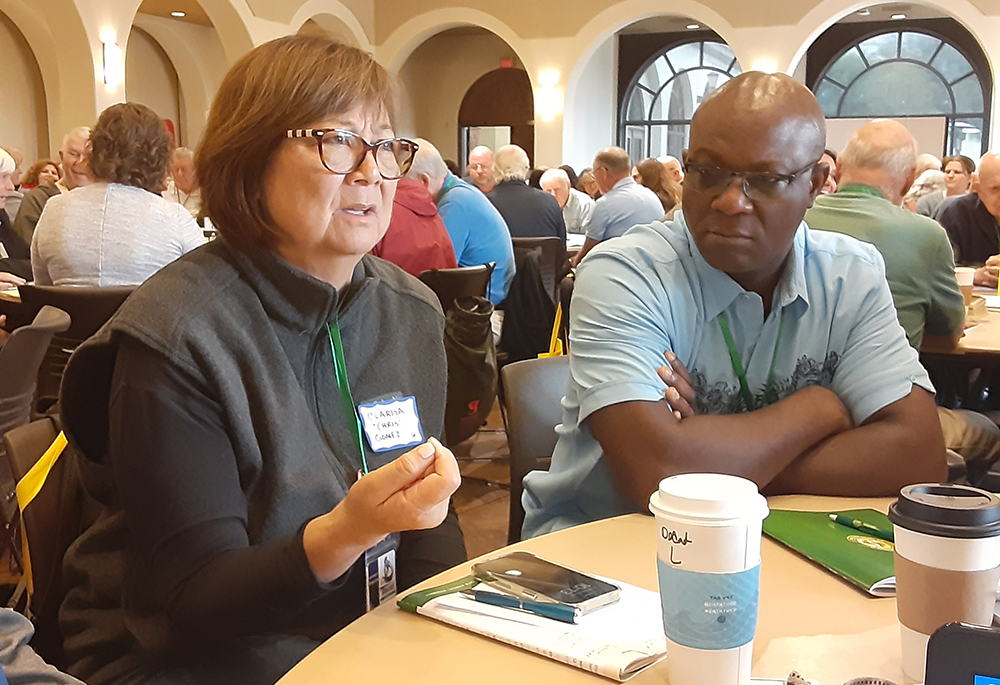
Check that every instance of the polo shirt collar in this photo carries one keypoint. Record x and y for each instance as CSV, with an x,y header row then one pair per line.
x,y
628,180
719,290
860,189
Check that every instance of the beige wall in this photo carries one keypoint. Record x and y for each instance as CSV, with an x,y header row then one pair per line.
x,y
23,122
437,76
150,79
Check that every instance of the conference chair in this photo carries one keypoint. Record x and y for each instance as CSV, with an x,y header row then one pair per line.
x,y
553,263
534,390
89,309
20,359
52,522
463,281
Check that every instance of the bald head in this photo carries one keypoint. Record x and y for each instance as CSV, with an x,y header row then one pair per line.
x,y
883,154
672,167
481,168
428,167
989,182
754,108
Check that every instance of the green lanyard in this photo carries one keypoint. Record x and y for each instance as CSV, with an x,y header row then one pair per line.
x,y
340,370
741,374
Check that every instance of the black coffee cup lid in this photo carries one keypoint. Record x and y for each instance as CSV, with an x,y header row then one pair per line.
x,y
953,511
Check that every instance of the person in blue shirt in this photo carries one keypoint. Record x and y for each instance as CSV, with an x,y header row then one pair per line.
x,y
477,230
786,363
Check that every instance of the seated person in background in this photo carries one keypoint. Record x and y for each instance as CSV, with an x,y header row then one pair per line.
x,y
958,171
649,173
787,365
927,161
481,169
16,193
971,222
576,206
588,184
43,172
119,230
527,211
182,185
673,168
216,415
623,202
15,261
574,180
478,232
928,183
875,171
75,174
830,159
416,239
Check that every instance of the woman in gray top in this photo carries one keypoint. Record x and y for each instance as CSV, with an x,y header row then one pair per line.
x,y
119,230
257,419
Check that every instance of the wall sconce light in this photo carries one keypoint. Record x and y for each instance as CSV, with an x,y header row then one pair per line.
x,y
549,96
113,64
768,66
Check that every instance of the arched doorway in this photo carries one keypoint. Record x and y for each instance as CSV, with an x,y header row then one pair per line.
x,y
497,110
328,26
24,126
439,73
151,79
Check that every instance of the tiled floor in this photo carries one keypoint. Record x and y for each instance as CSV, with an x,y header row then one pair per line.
x,y
483,499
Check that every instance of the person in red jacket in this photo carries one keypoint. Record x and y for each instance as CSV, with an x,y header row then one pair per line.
x,y
416,239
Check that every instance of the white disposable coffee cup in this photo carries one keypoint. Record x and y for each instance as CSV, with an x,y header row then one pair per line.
x,y
947,540
965,276
708,563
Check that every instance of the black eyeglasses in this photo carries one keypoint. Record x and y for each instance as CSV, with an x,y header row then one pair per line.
x,y
342,152
757,185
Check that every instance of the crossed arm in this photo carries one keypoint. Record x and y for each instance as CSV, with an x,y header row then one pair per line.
x,y
804,443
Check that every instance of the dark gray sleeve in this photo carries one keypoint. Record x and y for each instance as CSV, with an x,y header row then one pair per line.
x,y
20,664
176,475
29,213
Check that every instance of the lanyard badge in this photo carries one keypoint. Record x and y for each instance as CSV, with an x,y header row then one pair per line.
x,y
741,375
380,572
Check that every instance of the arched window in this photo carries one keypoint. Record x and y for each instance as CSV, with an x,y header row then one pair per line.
x,y
909,73
660,101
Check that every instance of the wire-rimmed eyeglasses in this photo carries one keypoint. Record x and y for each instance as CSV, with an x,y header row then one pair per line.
x,y
342,152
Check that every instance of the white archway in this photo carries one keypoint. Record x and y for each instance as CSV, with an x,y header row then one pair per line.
x,y
316,9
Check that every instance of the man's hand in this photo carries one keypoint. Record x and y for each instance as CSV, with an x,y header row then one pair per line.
x,y
10,279
680,392
986,276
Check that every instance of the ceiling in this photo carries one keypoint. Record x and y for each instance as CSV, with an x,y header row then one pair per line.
x,y
885,12
193,13
662,24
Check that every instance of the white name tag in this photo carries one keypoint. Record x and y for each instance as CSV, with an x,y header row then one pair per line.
x,y
391,424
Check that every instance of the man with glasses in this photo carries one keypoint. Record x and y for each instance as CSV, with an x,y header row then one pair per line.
x,y
785,363
481,169
76,173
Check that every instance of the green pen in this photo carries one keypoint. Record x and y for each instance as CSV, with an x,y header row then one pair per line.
x,y
862,527
553,610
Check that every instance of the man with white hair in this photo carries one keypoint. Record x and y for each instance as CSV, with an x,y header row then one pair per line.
x,y
971,222
673,167
876,170
76,173
927,161
478,232
576,206
182,186
528,212
481,169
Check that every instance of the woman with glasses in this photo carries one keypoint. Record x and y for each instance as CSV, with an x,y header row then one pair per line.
x,y
258,418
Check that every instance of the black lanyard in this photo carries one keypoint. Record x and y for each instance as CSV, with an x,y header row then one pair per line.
x,y
340,371
741,374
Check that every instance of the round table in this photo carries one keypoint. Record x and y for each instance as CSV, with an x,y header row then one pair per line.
x,y
389,645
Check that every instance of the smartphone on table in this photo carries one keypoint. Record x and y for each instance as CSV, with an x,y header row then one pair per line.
x,y
527,576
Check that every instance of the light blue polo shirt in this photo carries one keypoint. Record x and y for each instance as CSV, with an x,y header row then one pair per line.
x,y
651,291
627,204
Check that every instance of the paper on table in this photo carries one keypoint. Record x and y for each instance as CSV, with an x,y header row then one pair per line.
x,y
616,641
575,240
821,657
992,301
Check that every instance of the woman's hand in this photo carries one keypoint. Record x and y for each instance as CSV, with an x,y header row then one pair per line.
x,y
10,279
679,393
410,493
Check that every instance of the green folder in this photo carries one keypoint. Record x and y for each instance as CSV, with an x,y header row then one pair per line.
x,y
851,554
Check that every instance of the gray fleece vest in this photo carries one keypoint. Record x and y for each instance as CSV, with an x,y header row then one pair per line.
x,y
251,331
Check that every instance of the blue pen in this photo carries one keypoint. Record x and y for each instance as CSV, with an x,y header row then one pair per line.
x,y
553,610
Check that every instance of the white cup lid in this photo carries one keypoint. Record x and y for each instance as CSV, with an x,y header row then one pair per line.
x,y
708,496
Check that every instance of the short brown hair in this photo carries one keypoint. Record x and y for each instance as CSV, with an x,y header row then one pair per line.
x,y
614,159
31,176
130,145
287,83
966,163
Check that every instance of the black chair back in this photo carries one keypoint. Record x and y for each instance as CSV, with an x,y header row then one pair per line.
x,y
463,281
533,391
553,263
